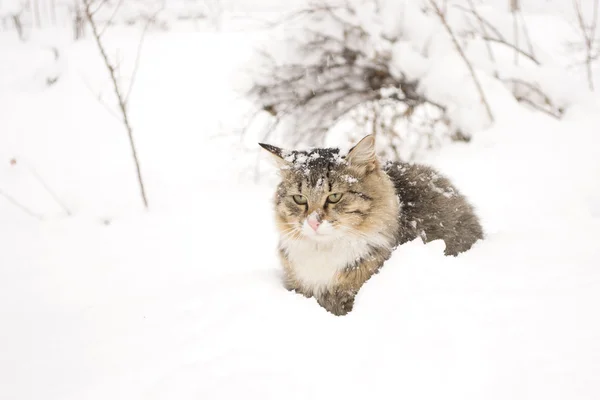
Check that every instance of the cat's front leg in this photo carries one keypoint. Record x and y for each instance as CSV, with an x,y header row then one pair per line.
x,y
293,286
290,282
338,301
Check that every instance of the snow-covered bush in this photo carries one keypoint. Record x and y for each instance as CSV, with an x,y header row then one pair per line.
x,y
416,72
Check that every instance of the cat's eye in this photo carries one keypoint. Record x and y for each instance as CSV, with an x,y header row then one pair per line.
x,y
299,199
334,197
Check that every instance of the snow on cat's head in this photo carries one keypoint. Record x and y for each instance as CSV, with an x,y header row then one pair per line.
x,y
325,196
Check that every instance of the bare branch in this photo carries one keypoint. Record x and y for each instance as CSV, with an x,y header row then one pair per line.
x,y
526,33
111,18
149,21
514,7
549,108
101,4
589,38
484,31
479,17
49,190
310,10
119,95
20,206
460,51
512,46
99,99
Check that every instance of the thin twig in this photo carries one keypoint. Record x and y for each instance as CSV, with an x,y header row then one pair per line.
x,y
312,9
49,190
491,27
101,4
536,106
139,52
512,46
120,97
484,32
99,99
589,37
111,18
526,33
20,206
553,111
465,59
514,7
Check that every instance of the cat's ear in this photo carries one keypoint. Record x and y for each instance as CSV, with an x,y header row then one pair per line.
x,y
363,153
276,154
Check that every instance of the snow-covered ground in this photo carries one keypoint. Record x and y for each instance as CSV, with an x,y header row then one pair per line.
x,y
184,301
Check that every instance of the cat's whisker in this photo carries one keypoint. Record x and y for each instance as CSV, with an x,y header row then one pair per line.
x,y
290,235
288,232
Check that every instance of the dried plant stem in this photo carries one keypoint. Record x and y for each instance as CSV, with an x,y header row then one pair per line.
x,y
514,7
484,32
460,51
520,51
526,33
489,33
550,110
49,190
121,98
589,38
482,20
20,206
139,53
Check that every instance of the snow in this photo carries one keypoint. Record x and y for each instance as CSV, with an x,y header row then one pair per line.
x,y
185,301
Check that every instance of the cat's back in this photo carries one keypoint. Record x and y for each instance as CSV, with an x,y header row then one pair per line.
x,y
432,208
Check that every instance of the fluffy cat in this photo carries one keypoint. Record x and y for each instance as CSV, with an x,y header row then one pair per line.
x,y
340,216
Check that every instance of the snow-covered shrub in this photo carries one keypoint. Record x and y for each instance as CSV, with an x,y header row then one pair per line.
x,y
337,68
409,70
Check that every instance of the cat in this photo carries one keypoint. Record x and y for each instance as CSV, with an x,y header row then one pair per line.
x,y
340,217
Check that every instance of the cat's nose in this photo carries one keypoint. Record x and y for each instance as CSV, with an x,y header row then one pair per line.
x,y
314,221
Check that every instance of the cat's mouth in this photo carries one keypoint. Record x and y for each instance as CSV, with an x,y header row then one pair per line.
x,y
325,231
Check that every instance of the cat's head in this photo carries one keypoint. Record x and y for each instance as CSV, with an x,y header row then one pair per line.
x,y
326,196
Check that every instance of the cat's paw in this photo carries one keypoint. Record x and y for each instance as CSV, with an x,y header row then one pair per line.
x,y
337,302
292,288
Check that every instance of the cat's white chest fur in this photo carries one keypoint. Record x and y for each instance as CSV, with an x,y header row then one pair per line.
x,y
315,264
